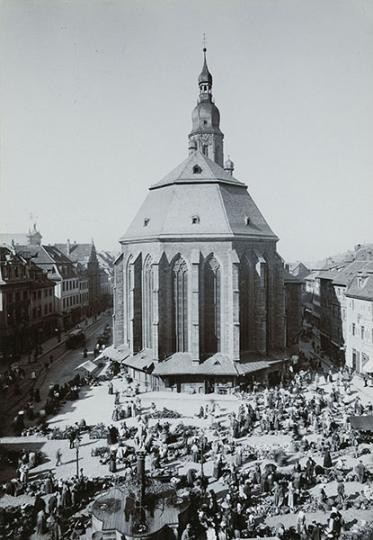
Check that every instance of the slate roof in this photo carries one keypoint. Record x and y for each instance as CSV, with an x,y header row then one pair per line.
x,y
220,202
290,278
346,274
361,286
299,270
181,363
106,259
79,253
210,172
219,364
47,256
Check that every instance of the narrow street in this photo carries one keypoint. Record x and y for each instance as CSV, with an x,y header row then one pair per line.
x,y
60,371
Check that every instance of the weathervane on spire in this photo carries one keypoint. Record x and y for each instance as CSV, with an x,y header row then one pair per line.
x,y
204,42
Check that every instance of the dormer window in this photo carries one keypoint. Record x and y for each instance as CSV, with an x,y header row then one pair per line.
x,y
146,221
247,220
197,169
195,220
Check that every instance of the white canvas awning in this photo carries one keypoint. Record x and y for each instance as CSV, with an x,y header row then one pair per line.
x,y
88,366
368,367
113,354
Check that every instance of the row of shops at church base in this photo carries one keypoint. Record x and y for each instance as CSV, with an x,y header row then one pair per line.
x,y
217,374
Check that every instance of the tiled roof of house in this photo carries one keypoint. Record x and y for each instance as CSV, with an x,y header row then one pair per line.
x,y
77,253
48,256
347,273
299,270
361,286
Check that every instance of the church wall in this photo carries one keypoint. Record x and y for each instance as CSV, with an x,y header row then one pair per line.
x,y
268,291
294,318
118,317
266,317
279,342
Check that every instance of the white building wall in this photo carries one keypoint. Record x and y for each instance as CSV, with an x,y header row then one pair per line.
x,y
359,343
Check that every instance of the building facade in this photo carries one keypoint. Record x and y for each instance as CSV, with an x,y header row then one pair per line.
x,y
335,304
28,314
15,293
87,264
43,311
199,281
359,296
63,273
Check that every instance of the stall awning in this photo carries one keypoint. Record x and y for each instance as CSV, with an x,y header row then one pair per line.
x,y
111,353
362,423
368,367
88,366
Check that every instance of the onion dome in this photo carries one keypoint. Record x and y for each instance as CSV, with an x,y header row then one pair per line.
x,y
205,76
205,116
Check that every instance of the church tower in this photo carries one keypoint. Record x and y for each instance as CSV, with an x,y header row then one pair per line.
x,y
199,286
206,136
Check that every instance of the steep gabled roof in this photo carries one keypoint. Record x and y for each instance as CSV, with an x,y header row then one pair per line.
x,y
345,275
77,253
48,256
361,286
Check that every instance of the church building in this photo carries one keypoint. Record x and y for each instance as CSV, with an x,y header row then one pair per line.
x,y
199,297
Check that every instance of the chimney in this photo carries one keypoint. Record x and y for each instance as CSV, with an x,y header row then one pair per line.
x,y
68,246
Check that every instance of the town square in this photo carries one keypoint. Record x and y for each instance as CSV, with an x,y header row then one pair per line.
x,y
186,337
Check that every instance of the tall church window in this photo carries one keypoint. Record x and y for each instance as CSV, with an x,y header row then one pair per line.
x,y
247,331
210,308
147,303
205,149
129,300
180,305
137,305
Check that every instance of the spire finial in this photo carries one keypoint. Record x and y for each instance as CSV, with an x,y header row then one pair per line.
x,y
204,43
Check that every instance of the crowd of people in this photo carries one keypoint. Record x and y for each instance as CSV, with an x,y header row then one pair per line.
x,y
291,483
266,479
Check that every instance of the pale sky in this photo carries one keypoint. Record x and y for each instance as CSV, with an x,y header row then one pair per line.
x,y
96,99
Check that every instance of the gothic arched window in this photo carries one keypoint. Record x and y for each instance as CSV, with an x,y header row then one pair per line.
x,y
129,300
210,308
247,302
180,305
147,303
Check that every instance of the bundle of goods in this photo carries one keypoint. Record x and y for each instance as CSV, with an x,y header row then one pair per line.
x,y
99,431
59,434
166,413
99,451
33,431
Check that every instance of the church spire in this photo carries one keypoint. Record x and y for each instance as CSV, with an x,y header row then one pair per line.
x,y
205,78
206,136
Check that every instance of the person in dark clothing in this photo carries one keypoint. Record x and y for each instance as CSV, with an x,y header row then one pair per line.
x,y
72,438
129,506
316,531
